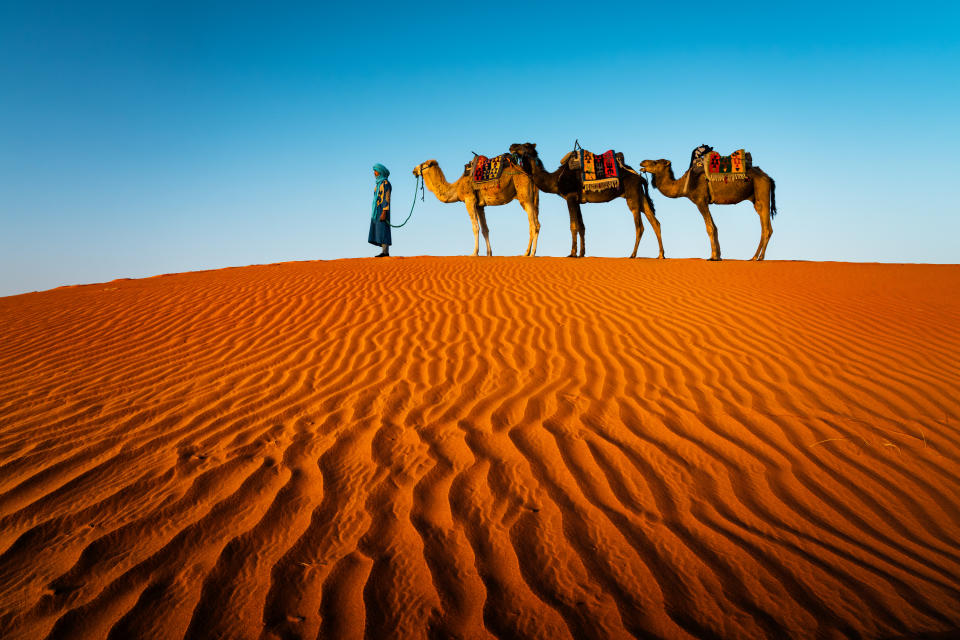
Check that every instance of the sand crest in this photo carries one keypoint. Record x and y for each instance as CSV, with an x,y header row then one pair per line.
x,y
484,448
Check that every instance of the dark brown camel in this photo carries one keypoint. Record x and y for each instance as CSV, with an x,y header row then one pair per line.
x,y
759,189
568,184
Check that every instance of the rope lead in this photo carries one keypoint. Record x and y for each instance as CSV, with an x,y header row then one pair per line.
x,y
418,184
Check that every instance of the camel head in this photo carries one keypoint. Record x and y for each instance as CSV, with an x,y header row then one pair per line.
x,y
527,152
419,169
658,169
655,166
524,149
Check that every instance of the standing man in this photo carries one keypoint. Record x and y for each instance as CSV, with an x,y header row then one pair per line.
x,y
379,235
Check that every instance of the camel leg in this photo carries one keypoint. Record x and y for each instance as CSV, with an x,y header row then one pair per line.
x,y
637,224
766,229
583,232
652,219
474,221
572,210
576,223
534,219
711,230
482,217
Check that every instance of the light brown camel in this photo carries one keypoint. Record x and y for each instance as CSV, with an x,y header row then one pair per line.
x,y
758,188
513,184
568,184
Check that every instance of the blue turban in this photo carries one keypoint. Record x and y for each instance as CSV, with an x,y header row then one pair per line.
x,y
382,170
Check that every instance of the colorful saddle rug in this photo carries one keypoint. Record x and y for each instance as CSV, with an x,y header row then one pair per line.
x,y
486,171
599,171
722,168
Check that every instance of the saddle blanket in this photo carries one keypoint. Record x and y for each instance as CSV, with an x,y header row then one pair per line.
x,y
486,171
599,171
722,168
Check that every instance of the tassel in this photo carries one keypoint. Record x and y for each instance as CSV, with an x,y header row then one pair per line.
x,y
601,185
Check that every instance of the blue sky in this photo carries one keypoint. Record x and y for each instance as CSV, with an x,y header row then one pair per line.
x,y
155,137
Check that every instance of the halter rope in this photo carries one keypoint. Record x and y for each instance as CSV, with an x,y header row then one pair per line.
x,y
418,184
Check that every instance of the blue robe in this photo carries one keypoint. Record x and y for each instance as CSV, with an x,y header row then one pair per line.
x,y
380,231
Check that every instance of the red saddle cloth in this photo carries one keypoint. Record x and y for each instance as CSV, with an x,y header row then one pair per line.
x,y
599,171
722,168
486,170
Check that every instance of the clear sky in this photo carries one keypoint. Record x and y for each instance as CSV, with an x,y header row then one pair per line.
x,y
140,138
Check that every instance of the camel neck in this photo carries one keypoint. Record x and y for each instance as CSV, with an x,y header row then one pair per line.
x,y
544,180
436,182
668,185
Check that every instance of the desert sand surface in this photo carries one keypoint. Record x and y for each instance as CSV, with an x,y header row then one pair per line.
x,y
460,447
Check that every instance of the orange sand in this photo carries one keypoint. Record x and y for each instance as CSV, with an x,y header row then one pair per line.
x,y
484,448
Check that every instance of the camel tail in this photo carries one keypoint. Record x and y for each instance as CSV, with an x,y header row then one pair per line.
x,y
645,190
773,198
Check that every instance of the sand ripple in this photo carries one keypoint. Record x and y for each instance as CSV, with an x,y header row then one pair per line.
x,y
484,448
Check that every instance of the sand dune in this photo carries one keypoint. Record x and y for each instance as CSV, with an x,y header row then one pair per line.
x,y
484,448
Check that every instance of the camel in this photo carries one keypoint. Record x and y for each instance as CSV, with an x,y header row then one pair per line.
x,y
759,189
568,184
513,184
